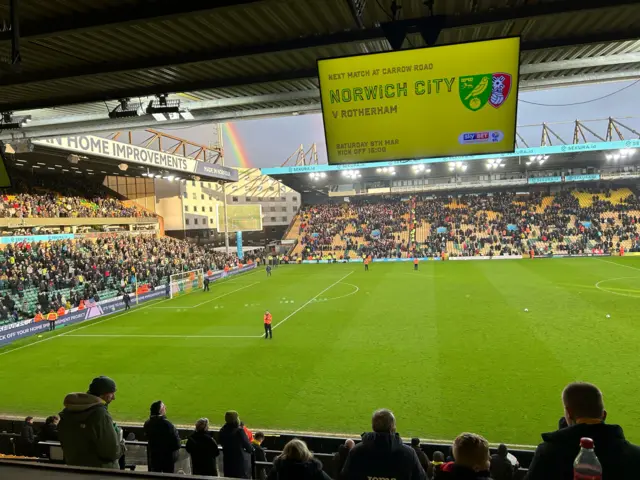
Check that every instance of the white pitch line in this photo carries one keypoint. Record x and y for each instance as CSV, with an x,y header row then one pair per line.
x,y
619,264
165,336
309,301
109,317
210,300
224,295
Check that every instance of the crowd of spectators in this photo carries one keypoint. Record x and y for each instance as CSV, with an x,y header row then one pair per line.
x,y
52,205
32,196
494,224
90,438
67,272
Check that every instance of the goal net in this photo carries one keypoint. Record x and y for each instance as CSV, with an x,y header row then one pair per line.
x,y
186,282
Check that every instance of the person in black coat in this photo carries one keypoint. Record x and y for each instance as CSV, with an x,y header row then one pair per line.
x,y
297,463
204,450
236,449
340,458
585,415
127,301
259,455
48,433
382,454
27,438
501,466
163,440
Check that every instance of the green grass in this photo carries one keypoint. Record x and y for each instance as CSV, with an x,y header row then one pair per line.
x,y
448,348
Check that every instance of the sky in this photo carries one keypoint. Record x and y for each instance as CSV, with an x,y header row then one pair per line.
x,y
269,142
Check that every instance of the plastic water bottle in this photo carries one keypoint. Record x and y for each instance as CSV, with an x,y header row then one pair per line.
x,y
586,465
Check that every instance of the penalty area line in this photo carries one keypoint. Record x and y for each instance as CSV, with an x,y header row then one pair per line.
x,y
163,336
619,264
308,302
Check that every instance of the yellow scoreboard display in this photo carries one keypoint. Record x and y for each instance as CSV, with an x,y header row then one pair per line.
x,y
428,102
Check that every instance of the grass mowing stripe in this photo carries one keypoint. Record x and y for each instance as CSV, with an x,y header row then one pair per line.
x,y
309,301
109,317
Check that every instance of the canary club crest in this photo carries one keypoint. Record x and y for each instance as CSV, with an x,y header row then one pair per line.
x,y
478,90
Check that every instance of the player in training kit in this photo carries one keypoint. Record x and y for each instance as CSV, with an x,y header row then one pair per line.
x,y
268,270
367,260
415,263
267,325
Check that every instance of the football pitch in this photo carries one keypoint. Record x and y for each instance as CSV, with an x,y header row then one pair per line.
x,y
449,348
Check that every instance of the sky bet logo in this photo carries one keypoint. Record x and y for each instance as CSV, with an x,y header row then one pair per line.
x,y
493,136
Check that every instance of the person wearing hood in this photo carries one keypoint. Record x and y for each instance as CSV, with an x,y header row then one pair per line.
x,y
204,450
236,449
472,459
87,433
297,463
163,440
341,455
382,453
585,415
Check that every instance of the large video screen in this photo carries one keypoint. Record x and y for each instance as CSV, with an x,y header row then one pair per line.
x,y
426,102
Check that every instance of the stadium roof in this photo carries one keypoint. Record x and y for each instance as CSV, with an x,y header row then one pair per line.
x,y
240,59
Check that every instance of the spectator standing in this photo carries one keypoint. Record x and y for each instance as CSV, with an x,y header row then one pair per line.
x,y
341,455
297,463
422,457
28,438
382,453
49,431
438,462
163,440
204,450
236,449
471,455
585,415
88,435
259,455
501,466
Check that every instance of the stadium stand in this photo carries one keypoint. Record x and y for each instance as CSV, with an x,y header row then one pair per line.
x,y
469,225
39,276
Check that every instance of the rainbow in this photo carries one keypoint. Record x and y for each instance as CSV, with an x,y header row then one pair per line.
x,y
236,145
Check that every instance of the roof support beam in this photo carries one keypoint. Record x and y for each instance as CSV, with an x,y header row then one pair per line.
x,y
415,25
580,63
144,11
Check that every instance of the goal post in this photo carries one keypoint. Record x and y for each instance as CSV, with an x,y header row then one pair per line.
x,y
186,282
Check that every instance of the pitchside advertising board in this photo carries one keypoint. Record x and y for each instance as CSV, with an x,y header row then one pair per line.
x,y
420,103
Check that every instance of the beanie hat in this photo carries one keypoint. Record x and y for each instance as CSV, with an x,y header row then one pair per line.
x,y
101,385
155,408
232,417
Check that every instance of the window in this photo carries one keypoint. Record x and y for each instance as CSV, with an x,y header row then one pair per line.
x,y
211,220
294,208
194,195
210,198
295,199
203,209
284,209
201,184
234,199
282,199
210,208
248,199
202,196
184,194
193,183
273,219
208,185
284,219
186,221
195,221
272,209
186,208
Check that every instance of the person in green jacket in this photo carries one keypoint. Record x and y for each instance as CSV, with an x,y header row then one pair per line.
x,y
88,435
